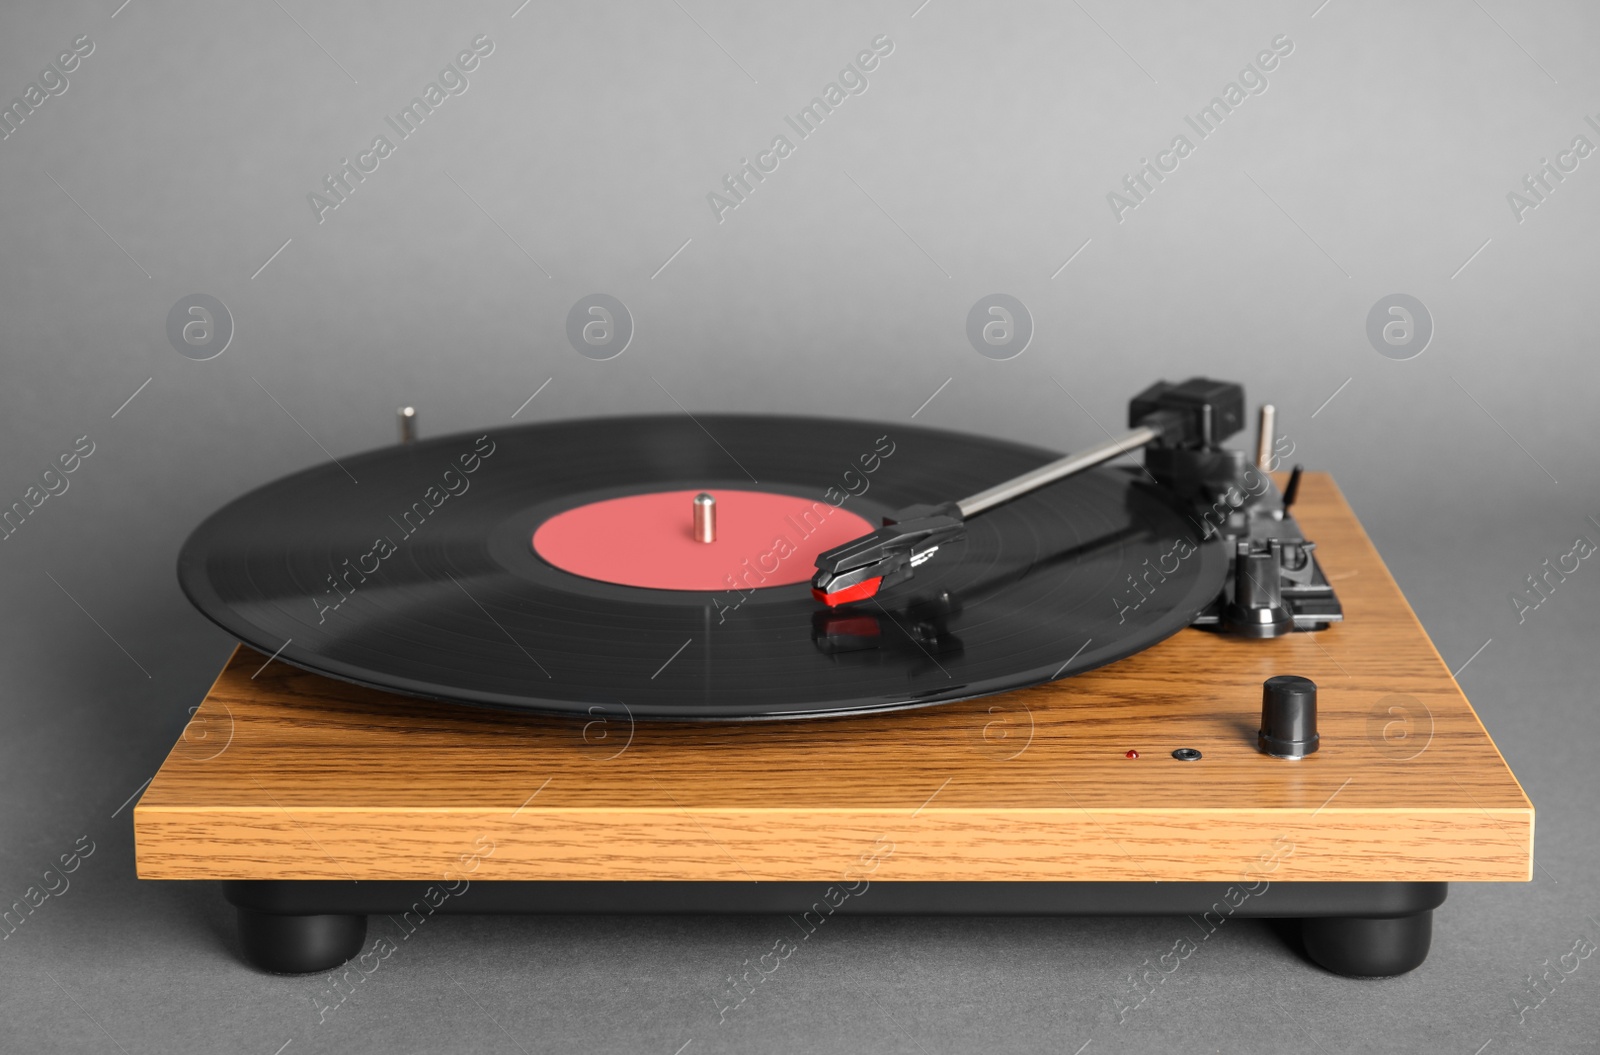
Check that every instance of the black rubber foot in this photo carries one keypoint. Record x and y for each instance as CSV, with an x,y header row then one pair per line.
x,y
1368,948
300,944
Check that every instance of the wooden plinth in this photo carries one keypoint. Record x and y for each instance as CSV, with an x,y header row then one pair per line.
x,y
288,775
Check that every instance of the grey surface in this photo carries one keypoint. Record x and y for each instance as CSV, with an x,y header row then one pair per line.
x,y
1377,162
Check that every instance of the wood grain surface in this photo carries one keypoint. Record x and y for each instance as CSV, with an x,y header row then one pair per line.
x,y
289,775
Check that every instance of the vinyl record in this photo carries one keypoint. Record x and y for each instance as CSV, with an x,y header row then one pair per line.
x,y
551,568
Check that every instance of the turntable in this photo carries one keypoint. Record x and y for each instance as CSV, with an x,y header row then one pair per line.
x,y
780,665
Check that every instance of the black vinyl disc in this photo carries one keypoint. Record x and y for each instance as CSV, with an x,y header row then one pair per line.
x,y
411,569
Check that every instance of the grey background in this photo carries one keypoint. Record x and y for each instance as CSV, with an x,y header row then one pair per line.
x,y
1377,162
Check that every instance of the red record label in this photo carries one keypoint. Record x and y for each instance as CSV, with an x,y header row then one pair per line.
x,y
762,539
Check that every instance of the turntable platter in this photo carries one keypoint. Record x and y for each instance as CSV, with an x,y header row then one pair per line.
x,y
419,569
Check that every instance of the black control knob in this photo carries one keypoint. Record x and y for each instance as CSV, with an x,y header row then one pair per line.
x,y
1288,716
1257,608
